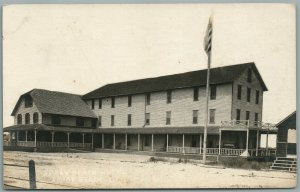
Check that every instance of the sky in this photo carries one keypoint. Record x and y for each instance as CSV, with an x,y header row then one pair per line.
x,y
78,48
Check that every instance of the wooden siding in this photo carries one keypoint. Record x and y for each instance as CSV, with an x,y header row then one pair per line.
x,y
181,108
23,110
242,104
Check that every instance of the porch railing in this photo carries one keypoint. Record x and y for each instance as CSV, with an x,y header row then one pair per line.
x,y
25,143
64,144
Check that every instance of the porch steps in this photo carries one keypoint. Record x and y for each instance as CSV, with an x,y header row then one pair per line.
x,y
285,164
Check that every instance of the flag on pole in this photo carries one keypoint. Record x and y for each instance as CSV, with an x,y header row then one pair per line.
x,y
208,37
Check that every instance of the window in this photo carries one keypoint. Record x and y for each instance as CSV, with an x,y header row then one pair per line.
x,y
28,101
99,121
248,94
194,141
238,114
147,140
212,113
19,119
196,93
213,92
79,122
169,96
55,119
168,118
249,75
27,118
147,119
35,117
239,93
195,116
129,100
112,120
148,98
256,119
247,115
100,103
129,119
94,123
112,102
93,103
257,97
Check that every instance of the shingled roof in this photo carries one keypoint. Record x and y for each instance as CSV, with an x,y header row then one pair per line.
x,y
219,75
54,102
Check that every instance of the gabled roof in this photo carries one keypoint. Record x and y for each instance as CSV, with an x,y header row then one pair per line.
x,y
218,75
60,103
288,122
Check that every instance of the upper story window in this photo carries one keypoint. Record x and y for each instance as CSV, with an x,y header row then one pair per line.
x,y
168,118
55,120
28,101
213,92
147,119
238,114
169,96
35,117
256,119
148,98
19,119
212,113
112,102
100,103
129,100
27,118
93,104
249,75
257,97
247,115
239,92
79,122
248,94
100,121
94,123
196,93
112,120
129,119
195,116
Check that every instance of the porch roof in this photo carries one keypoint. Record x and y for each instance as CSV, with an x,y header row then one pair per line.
x,y
133,130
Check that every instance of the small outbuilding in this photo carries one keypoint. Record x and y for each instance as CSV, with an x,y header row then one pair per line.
x,y
287,136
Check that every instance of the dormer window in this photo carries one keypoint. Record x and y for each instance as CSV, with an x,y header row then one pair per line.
x,y
28,101
249,75
19,119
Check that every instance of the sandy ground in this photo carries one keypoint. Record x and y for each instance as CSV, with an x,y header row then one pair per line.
x,y
110,170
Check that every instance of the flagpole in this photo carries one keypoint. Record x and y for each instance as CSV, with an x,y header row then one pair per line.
x,y
207,47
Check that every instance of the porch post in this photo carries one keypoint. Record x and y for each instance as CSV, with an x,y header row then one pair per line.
x,y
152,149
247,140
256,150
26,132
125,141
17,136
35,138
200,144
114,143
83,140
167,142
220,138
92,140
102,141
267,143
138,141
183,151
68,140
52,141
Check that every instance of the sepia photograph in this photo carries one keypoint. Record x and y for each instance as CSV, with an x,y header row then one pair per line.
x,y
149,96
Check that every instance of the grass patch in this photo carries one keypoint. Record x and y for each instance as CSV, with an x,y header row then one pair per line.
x,y
243,163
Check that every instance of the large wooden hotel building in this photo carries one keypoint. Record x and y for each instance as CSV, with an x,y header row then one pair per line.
x,y
160,115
